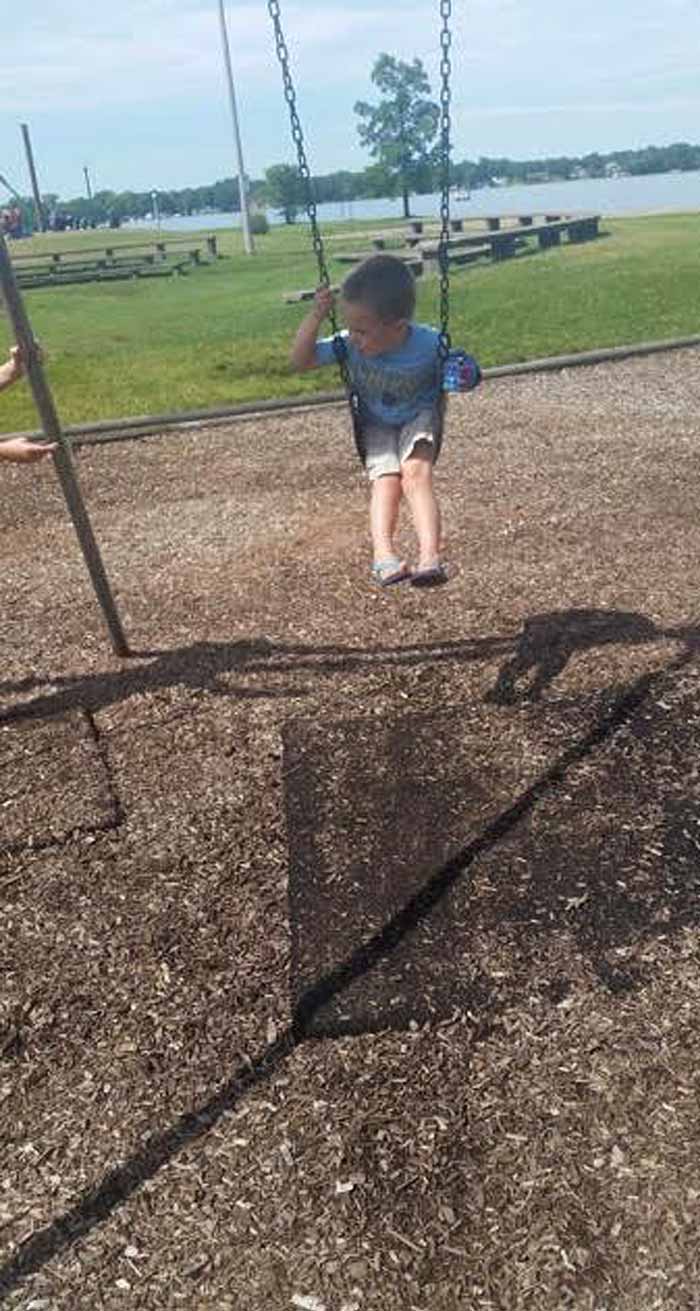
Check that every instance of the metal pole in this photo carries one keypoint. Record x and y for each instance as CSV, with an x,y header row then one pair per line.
x,y
242,188
32,173
88,188
62,458
156,208
11,189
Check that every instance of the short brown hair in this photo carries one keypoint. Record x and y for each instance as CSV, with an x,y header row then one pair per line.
x,y
386,285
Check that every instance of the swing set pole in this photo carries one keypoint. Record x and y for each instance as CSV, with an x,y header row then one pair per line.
x,y
63,460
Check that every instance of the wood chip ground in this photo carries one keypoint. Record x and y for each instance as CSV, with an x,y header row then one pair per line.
x,y
349,939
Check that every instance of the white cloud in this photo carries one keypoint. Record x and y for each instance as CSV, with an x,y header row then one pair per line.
x,y
93,55
76,56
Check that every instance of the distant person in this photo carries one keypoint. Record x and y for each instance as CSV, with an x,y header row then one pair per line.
x,y
18,450
15,226
394,366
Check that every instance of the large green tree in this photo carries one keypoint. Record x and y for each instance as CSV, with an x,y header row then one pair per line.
x,y
284,190
400,129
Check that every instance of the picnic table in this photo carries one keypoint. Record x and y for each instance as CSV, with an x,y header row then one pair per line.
x,y
502,243
130,259
158,247
464,248
419,229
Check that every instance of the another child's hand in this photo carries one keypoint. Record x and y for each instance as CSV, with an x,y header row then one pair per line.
x,y
324,302
15,367
21,451
12,369
15,364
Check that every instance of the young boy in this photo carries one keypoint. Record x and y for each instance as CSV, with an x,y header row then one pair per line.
x,y
18,449
394,366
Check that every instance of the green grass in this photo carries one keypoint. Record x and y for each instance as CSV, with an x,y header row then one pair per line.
x,y
221,335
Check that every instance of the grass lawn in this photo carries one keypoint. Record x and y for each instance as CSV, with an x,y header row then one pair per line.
x,y
221,334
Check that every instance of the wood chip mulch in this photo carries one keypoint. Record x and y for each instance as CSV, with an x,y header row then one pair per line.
x,y
349,939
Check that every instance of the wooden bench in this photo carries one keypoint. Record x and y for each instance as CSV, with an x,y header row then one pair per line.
x,y
500,245
414,262
294,297
504,242
210,242
153,249
494,221
68,274
470,255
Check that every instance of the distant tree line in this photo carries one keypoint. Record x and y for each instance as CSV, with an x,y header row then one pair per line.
x,y
680,157
282,190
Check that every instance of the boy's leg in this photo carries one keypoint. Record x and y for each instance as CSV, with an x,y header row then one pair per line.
x,y
384,471
385,498
419,489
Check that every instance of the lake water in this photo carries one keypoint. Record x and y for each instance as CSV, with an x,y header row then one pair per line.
x,y
659,192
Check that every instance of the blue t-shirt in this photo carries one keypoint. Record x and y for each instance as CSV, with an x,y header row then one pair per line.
x,y
395,386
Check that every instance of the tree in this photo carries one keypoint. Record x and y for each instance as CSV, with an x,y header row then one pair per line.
x,y
284,190
378,182
399,130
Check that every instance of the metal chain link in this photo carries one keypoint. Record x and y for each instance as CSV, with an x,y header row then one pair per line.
x,y
445,150
339,346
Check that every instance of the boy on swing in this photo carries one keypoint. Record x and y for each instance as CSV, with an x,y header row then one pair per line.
x,y
395,369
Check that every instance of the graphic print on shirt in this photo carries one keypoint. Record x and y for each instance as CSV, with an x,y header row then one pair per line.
x,y
391,386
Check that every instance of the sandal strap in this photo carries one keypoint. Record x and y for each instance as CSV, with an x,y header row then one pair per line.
x,y
390,571
390,565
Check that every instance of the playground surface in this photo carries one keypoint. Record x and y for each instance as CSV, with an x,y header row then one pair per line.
x,y
350,938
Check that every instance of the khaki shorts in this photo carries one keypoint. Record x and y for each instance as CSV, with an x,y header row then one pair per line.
x,y
387,447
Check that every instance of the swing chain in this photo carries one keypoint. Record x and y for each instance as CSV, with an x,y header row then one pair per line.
x,y
309,197
445,149
298,139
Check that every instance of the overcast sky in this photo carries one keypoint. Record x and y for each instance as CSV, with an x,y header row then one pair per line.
x,y
136,91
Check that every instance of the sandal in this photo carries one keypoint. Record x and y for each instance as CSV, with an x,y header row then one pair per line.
x,y
390,571
434,576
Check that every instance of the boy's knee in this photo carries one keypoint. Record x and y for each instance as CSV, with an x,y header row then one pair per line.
x,y
418,468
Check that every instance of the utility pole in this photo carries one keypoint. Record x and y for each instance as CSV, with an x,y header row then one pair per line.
x,y
88,188
242,188
32,173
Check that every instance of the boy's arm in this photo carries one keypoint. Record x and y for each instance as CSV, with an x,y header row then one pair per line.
x,y
303,353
